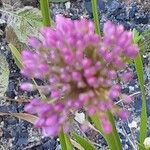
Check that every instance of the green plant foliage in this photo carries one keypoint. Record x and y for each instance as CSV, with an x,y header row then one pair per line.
x,y
138,39
4,75
137,36
112,139
44,5
83,142
58,1
16,54
140,73
12,38
65,141
145,41
25,21
96,16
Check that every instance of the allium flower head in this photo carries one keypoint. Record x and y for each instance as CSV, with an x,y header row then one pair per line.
x,y
80,69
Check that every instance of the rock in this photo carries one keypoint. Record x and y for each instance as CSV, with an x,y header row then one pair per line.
x,y
49,145
1,33
58,147
142,18
20,108
148,106
6,2
126,147
133,125
2,24
3,108
33,3
14,75
133,11
10,94
121,135
9,108
113,7
22,142
1,3
88,6
125,90
138,15
131,89
10,91
24,123
122,16
21,3
13,3
101,5
67,4
20,135
80,117
1,132
126,25
126,127
7,134
138,103
10,121
45,139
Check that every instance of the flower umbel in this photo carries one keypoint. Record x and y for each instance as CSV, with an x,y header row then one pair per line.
x,y
80,70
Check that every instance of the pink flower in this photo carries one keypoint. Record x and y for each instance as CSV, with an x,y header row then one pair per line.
x,y
127,99
27,87
127,76
79,69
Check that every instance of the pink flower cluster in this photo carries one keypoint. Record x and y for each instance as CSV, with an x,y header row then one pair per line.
x,y
80,69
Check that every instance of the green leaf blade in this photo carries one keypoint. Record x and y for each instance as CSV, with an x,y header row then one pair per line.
x,y
140,73
58,1
83,142
65,141
112,139
96,16
16,54
44,5
25,22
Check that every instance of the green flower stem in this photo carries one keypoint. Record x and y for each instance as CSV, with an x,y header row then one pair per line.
x,y
112,139
65,141
95,16
140,73
45,12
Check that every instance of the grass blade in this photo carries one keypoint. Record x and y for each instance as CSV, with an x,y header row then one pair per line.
x,y
113,139
83,142
65,141
140,73
44,4
77,145
95,16
16,54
